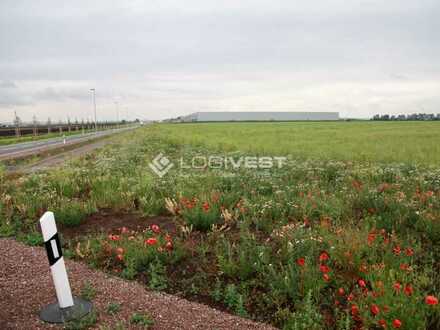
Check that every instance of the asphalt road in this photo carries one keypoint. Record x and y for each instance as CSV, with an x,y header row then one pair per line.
x,y
24,149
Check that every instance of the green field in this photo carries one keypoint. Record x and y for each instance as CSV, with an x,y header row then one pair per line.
x,y
345,236
409,142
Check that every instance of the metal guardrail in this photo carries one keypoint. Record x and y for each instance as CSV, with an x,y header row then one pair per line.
x,y
25,149
45,129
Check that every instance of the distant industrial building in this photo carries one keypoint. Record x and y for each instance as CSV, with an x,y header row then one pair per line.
x,y
257,116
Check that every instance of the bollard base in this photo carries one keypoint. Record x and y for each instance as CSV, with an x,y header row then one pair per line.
x,y
54,314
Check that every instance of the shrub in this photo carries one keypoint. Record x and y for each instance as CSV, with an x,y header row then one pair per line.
x,y
234,300
88,292
157,276
306,317
143,319
201,214
113,308
71,213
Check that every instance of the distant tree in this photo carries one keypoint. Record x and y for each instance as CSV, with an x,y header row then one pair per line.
x,y
413,116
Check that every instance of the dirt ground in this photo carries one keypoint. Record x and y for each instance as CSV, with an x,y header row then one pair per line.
x,y
26,286
110,222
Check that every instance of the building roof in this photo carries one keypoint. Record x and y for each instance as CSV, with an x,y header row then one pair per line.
x,y
260,116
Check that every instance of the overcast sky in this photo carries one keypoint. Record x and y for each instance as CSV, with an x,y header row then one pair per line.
x,y
164,58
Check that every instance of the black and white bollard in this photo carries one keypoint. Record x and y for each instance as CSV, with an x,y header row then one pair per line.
x,y
68,307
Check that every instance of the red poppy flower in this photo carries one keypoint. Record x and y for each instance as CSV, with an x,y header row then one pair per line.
x,y
404,266
357,185
169,246
397,286
371,238
382,323
114,237
397,324
151,241
409,252
374,309
324,256
350,297
205,206
324,268
155,229
326,277
341,291
354,310
431,300
120,257
397,250
301,262
408,290
362,283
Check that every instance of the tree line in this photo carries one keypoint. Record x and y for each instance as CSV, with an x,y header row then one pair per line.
x,y
414,116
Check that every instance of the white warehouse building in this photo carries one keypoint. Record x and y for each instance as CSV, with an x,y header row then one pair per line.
x,y
258,116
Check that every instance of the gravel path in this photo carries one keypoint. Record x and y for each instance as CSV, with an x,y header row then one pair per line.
x,y
26,286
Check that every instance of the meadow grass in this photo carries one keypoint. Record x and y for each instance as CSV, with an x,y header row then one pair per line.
x,y
387,142
316,244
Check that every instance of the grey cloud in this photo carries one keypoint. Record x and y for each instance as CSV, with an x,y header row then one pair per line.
x,y
11,97
7,84
58,95
110,41
231,50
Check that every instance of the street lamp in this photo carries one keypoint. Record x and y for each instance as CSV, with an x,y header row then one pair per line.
x,y
94,106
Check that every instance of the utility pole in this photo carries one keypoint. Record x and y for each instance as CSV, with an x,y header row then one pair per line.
x,y
117,114
17,124
49,125
69,128
35,123
94,106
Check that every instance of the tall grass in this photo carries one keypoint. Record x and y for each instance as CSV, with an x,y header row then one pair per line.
x,y
388,142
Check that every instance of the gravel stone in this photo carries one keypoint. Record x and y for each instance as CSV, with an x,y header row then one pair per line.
x,y
26,286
